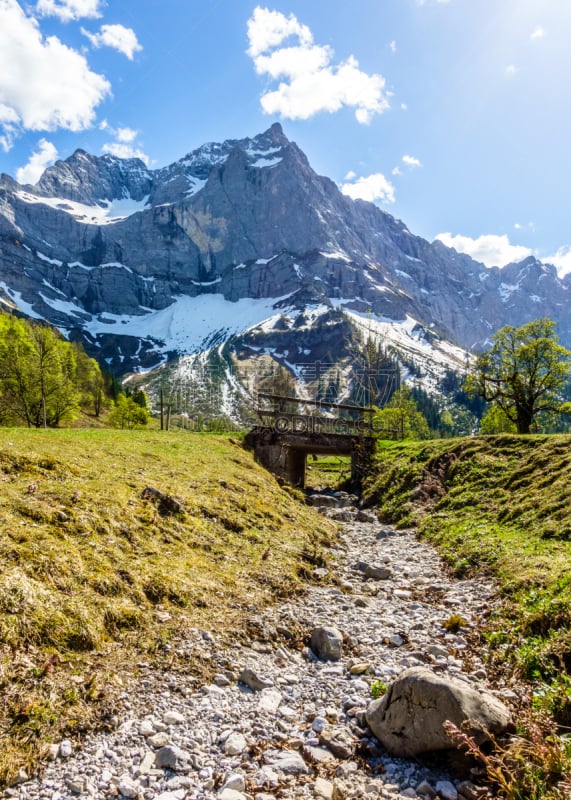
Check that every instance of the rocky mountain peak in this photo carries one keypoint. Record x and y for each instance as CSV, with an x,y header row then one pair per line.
x,y
88,179
113,251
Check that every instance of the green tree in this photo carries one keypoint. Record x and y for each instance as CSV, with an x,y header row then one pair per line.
x,y
37,374
128,414
495,420
90,382
401,414
523,372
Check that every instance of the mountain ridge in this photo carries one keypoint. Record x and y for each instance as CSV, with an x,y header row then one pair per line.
x,y
101,244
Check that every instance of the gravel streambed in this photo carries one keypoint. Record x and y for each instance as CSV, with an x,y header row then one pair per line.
x,y
293,726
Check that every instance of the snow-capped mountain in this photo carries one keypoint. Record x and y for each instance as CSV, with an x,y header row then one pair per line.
x,y
140,264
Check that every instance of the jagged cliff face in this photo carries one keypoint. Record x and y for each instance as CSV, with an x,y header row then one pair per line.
x,y
138,263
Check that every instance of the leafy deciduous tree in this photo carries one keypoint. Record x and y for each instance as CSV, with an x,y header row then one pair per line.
x,y
128,414
523,372
401,414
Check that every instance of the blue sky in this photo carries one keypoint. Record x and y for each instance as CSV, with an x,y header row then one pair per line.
x,y
453,115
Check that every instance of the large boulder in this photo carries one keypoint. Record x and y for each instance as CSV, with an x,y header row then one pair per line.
x,y
327,643
409,719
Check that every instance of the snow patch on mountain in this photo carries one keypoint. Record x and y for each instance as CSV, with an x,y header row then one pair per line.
x,y
190,324
104,213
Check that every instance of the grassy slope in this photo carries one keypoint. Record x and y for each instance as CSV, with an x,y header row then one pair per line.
x,y
499,504
88,565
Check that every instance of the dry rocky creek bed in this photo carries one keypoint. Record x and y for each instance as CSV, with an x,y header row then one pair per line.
x,y
279,722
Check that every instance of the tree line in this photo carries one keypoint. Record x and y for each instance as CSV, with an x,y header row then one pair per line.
x,y
47,381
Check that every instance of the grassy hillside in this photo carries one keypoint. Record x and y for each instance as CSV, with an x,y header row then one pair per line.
x,y
498,505
90,567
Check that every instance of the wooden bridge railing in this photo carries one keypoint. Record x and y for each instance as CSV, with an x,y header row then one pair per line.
x,y
283,421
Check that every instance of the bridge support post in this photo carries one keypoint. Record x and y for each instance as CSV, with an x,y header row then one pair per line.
x,y
295,467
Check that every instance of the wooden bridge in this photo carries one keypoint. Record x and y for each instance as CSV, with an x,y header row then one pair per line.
x,y
286,435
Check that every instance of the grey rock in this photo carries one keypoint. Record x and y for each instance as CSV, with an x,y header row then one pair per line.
x,y
255,681
287,761
128,789
409,718
446,790
235,782
323,789
378,572
235,744
65,748
339,741
327,643
366,516
171,757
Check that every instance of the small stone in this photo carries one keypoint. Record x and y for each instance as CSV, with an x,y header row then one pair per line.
x,y
270,701
360,668
230,794
317,755
235,782
171,757
146,728
378,572
53,752
438,651
339,741
470,791
425,788
366,516
318,724
235,744
323,789
160,739
286,761
75,785
173,718
147,763
446,790
254,681
128,789
65,748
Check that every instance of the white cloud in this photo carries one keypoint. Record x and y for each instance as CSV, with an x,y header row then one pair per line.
x,y
372,188
511,70
561,260
124,145
393,46
491,250
538,33
122,150
310,82
45,155
68,10
404,106
116,36
126,135
529,226
396,171
44,85
411,161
